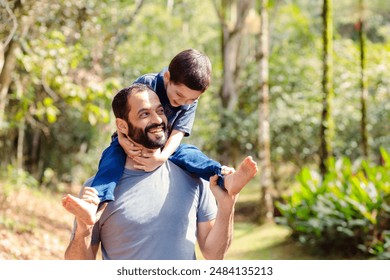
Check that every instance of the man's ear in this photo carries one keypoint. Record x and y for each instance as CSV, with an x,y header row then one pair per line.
x,y
167,76
121,126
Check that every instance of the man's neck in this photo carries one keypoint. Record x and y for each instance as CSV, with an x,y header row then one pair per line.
x,y
130,163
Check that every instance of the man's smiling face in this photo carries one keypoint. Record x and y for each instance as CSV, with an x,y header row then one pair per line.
x,y
147,123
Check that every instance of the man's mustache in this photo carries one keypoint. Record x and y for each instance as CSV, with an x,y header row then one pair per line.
x,y
155,125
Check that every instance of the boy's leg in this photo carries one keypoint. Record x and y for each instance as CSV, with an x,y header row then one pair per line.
x,y
110,170
193,160
190,158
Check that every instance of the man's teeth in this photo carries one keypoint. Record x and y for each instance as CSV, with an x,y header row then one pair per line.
x,y
156,130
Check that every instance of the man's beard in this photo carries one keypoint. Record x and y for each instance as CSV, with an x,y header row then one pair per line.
x,y
141,136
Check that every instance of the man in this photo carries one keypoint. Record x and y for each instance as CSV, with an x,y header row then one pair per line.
x,y
159,214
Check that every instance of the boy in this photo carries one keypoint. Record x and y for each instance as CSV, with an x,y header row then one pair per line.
x,y
179,88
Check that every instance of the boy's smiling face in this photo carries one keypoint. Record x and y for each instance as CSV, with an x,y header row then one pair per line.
x,y
179,94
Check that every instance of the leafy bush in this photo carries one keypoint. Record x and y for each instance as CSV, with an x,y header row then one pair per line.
x,y
346,212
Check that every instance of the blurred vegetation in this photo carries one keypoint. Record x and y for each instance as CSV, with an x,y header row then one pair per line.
x,y
347,211
61,62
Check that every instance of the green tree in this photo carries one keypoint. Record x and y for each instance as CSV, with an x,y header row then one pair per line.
x,y
45,86
232,15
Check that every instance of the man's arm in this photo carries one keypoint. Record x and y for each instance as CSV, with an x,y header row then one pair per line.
x,y
214,237
80,247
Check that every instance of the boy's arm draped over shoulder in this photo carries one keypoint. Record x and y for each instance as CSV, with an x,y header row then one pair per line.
x,y
173,142
150,161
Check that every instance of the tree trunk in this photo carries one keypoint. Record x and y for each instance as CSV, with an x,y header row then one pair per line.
x,y
266,183
232,16
229,95
327,125
35,145
231,41
363,81
7,58
6,77
19,151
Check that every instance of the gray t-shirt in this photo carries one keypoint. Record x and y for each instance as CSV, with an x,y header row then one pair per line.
x,y
154,215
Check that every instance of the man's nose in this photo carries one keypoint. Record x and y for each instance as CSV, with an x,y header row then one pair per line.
x,y
156,118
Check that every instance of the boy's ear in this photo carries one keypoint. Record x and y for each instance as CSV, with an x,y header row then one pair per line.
x,y
121,126
167,76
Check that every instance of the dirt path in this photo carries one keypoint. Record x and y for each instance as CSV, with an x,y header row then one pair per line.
x,y
33,226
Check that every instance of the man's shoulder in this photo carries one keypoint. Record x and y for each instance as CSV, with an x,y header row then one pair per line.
x,y
181,174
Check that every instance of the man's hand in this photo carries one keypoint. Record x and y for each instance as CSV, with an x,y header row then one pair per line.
x,y
149,160
224,199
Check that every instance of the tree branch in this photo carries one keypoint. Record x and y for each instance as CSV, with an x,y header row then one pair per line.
x,y
14,20
221,16
129,21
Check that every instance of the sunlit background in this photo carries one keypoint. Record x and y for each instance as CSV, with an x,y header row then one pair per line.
x,y
61,62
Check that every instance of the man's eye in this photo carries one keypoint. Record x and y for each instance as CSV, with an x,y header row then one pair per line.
x,y
144,115
160,111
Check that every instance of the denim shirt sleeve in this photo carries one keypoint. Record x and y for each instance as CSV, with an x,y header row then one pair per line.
x,y
147,79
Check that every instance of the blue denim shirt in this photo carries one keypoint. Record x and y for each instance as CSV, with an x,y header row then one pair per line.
x,y
180,118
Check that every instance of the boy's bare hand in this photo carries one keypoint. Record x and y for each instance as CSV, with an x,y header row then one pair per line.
x,y
149,160
131,149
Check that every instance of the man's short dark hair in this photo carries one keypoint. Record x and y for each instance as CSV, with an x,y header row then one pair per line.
x,y
120,104
192,69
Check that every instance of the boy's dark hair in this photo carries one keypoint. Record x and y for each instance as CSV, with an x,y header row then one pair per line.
x,y
120,104
192,69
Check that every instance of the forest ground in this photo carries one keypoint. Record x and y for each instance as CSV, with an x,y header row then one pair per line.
x,y
33,226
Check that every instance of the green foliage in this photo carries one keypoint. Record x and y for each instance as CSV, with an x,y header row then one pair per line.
x,y
348,210
295,89
13,179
